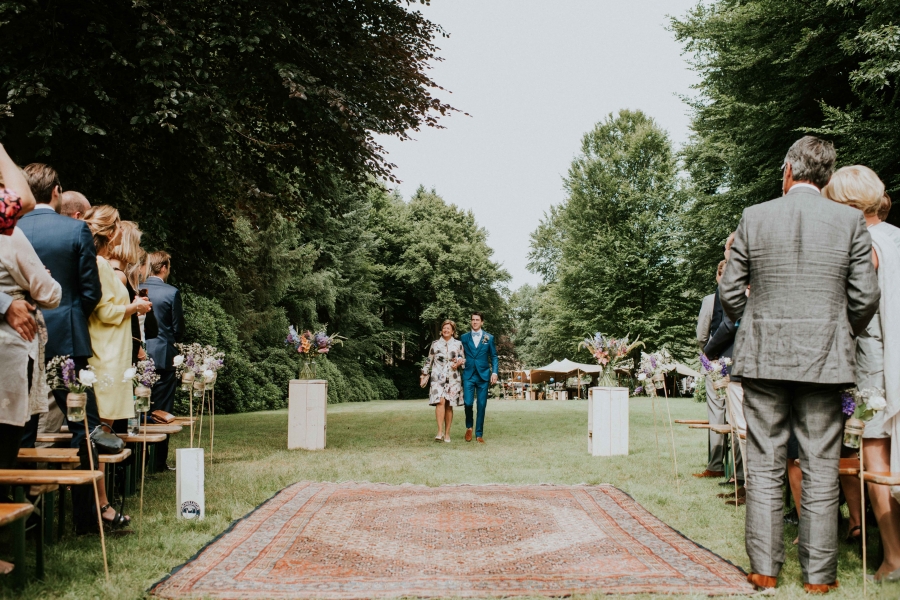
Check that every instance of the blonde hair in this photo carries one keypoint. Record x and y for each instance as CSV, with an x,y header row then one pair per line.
x,y
856,186
102,221
884,209
128,252
451,324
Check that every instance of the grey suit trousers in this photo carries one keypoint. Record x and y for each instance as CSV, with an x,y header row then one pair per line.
x,y
715,412
814,411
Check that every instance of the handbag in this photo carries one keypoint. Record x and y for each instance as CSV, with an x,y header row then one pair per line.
x,y
161,417
106,443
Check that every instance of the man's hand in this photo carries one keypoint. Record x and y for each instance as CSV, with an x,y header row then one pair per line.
x,y
20,318
493,378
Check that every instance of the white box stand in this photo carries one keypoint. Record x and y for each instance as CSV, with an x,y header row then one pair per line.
x,y
307,402
608,421
189,483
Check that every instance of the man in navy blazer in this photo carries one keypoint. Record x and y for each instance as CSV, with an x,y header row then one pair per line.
x,y
66,247
166,301
479,373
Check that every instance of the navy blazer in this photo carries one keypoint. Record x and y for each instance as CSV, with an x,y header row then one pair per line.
x,y
481,361
66,247
166,301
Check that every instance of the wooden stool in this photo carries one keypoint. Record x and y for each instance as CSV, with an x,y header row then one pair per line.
x,y
15,515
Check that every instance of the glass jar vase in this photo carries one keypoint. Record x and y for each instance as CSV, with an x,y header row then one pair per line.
x,y
75,403
142,398
853,432
307,369
187,380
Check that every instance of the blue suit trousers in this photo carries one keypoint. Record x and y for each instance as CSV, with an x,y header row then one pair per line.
x,y
475,387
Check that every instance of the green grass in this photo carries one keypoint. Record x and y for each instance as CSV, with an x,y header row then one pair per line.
x,y
528,442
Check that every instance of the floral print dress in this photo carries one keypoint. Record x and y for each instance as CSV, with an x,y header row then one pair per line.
x,y
445,381
10,207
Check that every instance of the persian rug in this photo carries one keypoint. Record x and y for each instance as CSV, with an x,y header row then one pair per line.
x,y
359,540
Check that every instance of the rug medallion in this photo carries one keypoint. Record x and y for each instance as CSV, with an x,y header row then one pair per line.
x,y
352,540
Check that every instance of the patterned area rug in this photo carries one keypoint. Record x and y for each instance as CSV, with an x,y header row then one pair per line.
x,y
351,540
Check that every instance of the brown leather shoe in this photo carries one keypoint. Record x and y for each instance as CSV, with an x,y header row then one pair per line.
x,y
469,434
820,588
741,493
708,473
740,501
762,582
480,440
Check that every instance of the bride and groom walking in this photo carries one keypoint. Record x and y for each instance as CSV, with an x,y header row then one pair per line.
x,y
476,353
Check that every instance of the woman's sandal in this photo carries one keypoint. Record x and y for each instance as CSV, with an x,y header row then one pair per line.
x,y
439,438
118,522
854,538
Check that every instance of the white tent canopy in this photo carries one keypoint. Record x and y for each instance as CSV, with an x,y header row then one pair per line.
x,y
561,368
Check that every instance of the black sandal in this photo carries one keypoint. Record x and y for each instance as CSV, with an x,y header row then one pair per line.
x,y
119,521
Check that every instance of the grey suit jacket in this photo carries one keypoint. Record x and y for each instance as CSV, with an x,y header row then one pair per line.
x,y
808,261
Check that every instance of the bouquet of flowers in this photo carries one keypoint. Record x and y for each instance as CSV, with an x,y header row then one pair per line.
x,y
61,376
718,372
653,367
142,377
860,406
308,345
611,354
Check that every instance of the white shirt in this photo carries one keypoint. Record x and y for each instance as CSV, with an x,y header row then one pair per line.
x,y
476,337
43,206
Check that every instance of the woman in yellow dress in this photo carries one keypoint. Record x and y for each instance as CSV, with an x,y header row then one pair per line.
x,y
110,323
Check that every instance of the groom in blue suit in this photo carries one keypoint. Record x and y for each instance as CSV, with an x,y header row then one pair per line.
x,y
479,373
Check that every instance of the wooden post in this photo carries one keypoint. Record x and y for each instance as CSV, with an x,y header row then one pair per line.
x,y
862,490
307,414
672,435
608,421
96,500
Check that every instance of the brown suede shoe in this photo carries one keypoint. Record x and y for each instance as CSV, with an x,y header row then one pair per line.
x,y
740,501
708,473
820,588
741,493
469,434
762,582
480,440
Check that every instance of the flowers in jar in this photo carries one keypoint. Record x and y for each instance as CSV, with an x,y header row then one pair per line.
x,y
61,375
860,405
197,366
142,376
717,370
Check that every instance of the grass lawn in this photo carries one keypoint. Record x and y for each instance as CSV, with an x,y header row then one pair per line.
x,y
527,442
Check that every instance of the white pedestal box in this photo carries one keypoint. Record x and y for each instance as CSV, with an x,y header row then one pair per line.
x,y
307,402
608,421
189,484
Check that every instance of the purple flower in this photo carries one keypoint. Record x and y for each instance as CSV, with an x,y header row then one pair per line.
x,y
653,361
707,367
724,369
639,389
848,404
68,372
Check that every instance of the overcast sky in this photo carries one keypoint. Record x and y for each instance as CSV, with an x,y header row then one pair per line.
x,y
535,76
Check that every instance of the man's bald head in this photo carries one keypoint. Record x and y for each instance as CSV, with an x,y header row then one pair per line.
x,y
74,205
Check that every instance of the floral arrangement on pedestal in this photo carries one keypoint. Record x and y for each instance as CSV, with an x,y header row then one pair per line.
x,y
61,376
309,345
860,406
717,371
652,371
197,366
610,353
142,376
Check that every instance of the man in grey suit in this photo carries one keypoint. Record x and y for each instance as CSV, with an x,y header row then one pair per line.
x,y
715,407
807,263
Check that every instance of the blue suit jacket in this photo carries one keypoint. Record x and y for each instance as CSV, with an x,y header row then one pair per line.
x,y
166,301
66,247
480,361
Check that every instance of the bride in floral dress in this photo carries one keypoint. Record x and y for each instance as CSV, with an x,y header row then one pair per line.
x,y
443,363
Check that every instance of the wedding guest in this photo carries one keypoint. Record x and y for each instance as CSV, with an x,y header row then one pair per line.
x,y
110,330
17,276
65,246
814,288
878,355
445,358
884,210
125,259
715,406
73,205
169,313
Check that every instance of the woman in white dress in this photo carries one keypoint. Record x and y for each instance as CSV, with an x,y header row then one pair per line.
x,y
442,365
878,359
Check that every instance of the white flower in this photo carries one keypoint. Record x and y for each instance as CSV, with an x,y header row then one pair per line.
x,y
178,361
87,377
209,374
641,376
876,403
129,374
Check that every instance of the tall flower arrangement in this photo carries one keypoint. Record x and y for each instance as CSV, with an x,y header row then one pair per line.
x,y
860,405
611,354
308,345
61,375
